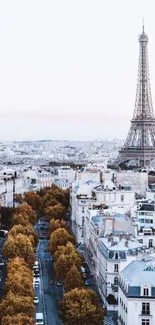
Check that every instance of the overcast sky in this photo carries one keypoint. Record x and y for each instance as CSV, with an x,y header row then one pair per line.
x,y
68,68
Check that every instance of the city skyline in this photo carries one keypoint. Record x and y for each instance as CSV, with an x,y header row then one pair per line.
x,y
69,71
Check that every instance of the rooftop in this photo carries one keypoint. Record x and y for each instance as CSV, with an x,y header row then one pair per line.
x,y
138,273
114,243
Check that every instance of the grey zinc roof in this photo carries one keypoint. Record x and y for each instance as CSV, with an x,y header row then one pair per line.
x,y
119,245
138,273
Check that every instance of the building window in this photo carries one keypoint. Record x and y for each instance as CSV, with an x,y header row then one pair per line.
x,y
145,292
82,233
82,209
141,241
82,221
122,198
145,308
115,267
145,322
148,221
150,242
116,280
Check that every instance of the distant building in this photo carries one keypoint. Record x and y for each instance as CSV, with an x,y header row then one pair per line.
x,y
143,216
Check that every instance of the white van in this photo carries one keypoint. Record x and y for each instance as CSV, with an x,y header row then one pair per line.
x,y
39,319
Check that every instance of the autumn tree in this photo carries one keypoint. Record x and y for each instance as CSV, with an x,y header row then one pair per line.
x,y
19,283
55,212
6,216
19,319
20,246
34,200
43,191
65,250
18,264
13,304
64,264
55,224
73,279
47,201
19,198
59,237
20,219
27,209
81,307
27,230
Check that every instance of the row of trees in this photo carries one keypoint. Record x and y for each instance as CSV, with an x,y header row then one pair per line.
x,y
50,201
17,305
79,305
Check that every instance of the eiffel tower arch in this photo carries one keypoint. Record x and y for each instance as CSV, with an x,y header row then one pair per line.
x,y
140,142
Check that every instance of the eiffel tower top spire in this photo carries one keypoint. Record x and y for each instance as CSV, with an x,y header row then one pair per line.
x,y
143,105
143,26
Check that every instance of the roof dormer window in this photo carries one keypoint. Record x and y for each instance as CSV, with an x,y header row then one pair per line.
x,y
145,290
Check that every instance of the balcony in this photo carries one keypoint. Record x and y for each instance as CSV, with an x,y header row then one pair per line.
x,y
121,320
114,287
145,313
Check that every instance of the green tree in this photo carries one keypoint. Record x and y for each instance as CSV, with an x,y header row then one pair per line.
x,y
81,307
59,237
19,319
73,279
20,246
12,305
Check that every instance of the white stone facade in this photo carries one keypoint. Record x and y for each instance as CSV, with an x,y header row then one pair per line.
x,y
136,298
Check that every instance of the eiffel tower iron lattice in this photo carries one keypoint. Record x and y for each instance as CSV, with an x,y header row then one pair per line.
x,y
140,142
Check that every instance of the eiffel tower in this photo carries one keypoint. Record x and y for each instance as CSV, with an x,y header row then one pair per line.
x,y
140,142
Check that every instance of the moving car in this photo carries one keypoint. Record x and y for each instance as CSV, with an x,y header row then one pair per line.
x,y
36,300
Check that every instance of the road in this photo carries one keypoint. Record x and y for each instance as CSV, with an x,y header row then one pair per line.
x,y
49,295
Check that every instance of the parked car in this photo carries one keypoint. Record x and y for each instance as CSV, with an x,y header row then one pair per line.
x,y
87,283
59,284
36,282
36,300
36,274
84,275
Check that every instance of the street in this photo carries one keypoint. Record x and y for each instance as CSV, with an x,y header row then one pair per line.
x,y
49,295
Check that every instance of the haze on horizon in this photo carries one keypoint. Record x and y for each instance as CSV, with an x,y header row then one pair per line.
x,y
68,69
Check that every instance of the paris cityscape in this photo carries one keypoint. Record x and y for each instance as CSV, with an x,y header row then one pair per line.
x,y
77,180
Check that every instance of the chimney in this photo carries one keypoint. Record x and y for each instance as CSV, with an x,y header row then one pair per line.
x,y
101,177
126,243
